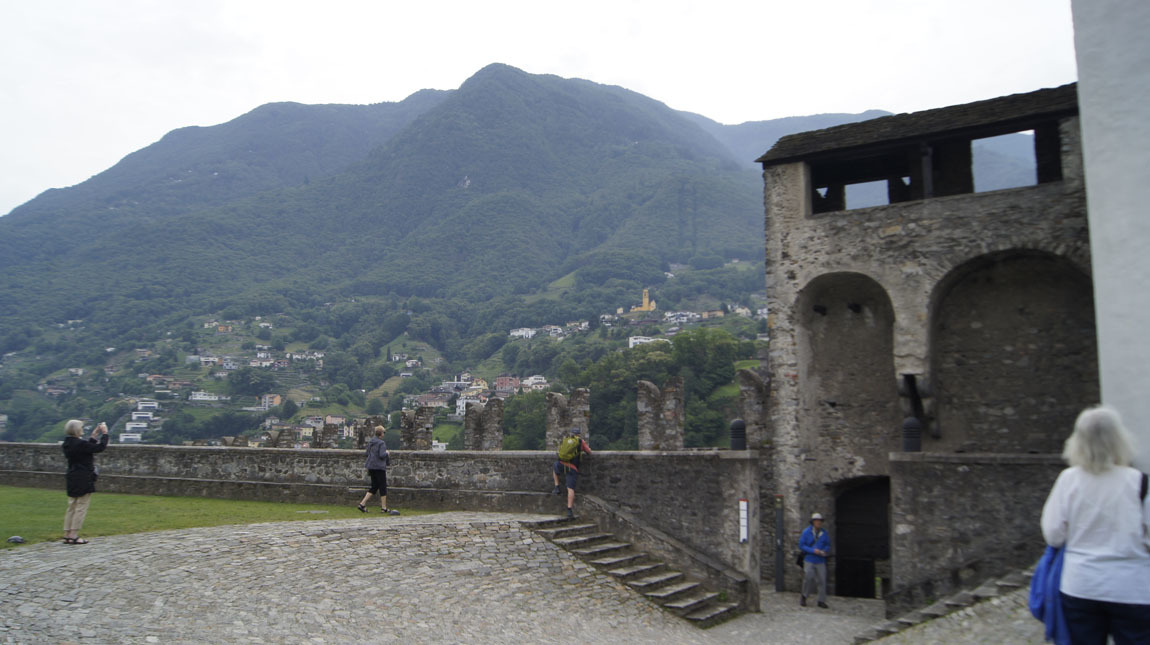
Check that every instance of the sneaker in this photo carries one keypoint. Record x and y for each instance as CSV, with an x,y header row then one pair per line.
x,y
389,511
823,605
570,514
802,601
555,491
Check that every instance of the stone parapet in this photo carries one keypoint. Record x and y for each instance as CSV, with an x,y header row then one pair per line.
x,y
960,519
690,497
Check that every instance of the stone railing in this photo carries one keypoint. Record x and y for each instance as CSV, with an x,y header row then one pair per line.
x,y
687,501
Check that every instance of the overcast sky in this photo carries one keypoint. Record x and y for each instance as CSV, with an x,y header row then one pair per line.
x,y
86,82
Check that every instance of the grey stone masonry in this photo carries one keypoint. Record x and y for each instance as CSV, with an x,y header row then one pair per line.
x,y
483,426
644,488
564,414
273,439
364,430
967,310
754,392
415,430
659,582
326,437
660,415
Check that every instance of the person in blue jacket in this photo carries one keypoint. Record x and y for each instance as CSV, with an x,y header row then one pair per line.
x,y
815,544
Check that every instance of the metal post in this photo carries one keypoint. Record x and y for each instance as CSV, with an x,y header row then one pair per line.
x,y
738,435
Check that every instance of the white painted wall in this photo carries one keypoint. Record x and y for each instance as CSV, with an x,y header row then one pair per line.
x,y
1113,51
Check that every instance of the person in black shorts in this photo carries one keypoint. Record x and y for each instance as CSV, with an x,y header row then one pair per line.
x,y
570,470
378,459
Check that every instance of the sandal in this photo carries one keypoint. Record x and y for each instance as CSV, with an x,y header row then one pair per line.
x,y
75,541
361,507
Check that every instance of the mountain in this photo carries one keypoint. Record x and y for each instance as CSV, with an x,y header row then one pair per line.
x,y
748,141
274,146
500,186
437,223
490,191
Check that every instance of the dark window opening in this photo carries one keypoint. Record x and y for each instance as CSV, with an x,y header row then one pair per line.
x,y
993,158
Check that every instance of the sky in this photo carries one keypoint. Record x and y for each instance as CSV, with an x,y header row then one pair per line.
x,y
84,83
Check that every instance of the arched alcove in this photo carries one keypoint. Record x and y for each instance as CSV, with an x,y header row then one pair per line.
x,y
1013,354
848,390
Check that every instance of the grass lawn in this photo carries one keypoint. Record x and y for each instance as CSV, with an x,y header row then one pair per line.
x,y
446,432
37,514
728,391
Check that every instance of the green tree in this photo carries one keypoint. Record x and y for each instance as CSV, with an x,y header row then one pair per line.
x,y
251,381
288,409
525,421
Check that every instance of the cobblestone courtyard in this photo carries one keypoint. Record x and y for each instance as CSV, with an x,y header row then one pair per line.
x,y
445,578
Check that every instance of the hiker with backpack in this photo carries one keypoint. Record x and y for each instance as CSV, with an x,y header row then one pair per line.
x,y
571,449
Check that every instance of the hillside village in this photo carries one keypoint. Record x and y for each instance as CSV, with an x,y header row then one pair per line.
x,y
294,407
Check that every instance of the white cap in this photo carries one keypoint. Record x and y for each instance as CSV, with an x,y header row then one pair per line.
x,y
816,516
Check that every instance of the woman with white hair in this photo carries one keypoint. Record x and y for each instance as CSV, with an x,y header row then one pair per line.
x,y
81,477
1097,510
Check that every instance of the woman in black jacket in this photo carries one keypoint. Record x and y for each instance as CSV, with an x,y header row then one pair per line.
x,y
378,459
81,477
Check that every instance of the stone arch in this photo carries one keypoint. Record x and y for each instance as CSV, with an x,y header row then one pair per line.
x,y
1013,353
849,417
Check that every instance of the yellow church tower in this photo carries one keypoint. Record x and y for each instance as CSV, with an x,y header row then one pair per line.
x,y
648,304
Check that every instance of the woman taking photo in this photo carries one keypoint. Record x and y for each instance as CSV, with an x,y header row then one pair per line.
x,y
81,477
1096,513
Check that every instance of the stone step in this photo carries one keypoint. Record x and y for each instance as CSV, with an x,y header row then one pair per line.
x,y
669,592
871,634
960,599
564,531
654,581
889,627
601,549
712,614
581,540
986,591
550,522
692,602
670,589
1013,581
911,619
936,610
634,570
619,560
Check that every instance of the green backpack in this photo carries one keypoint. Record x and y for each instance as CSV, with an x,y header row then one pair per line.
x,y
569,448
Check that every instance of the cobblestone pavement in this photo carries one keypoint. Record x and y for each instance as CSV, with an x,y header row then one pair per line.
x,y
1005,619
446,578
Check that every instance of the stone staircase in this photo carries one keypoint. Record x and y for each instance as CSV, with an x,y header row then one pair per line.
x,y
986,591
662,585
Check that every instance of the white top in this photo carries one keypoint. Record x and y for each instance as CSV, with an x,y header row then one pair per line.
x,y
1106,533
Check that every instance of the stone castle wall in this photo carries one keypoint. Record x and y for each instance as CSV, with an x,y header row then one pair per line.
x,y
971,312
483,426
647,489
661,416
959,519
564,413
